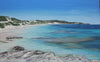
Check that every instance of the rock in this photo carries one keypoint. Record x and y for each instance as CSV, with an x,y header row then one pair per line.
x,y
8,38
76,58
22,55
37,52
18,48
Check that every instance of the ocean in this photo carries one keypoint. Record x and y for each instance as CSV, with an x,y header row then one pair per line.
x,y
63,39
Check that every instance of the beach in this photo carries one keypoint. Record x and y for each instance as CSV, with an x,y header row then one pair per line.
x,y
49,31
13,31
55,38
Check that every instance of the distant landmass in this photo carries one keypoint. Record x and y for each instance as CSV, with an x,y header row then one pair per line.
x,y
6,20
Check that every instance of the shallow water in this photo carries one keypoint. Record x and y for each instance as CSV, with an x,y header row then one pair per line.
x,y
63,39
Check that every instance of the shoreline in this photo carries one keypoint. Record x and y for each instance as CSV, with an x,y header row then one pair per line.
x,y
10,31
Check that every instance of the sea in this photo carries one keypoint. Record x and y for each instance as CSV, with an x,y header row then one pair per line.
x,y
63,39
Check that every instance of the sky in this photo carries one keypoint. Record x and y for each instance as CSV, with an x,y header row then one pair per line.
x,y
86,11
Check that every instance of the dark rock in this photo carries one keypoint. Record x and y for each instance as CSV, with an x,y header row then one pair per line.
x,y
4,52
18,48
37,52
8,38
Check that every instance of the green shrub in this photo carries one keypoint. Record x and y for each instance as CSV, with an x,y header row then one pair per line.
x,y
7,23
2,25
15,24
12,23
3,18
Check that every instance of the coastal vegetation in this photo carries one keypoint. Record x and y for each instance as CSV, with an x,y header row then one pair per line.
x,y
5,21
2,25
3,18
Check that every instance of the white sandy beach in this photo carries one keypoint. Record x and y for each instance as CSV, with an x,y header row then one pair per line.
x,y
10,31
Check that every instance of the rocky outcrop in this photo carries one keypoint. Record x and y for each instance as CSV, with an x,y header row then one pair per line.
x,y
22,55
9,38
18,48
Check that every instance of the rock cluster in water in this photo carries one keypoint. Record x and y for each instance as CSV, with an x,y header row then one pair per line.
x,y
19,54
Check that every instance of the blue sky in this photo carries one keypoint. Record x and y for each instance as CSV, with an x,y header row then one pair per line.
x,y
70,10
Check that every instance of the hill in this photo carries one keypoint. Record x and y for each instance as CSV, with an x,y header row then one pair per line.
x,y
6,20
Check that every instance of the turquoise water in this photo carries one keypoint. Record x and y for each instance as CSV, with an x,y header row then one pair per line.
x,y
63,39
